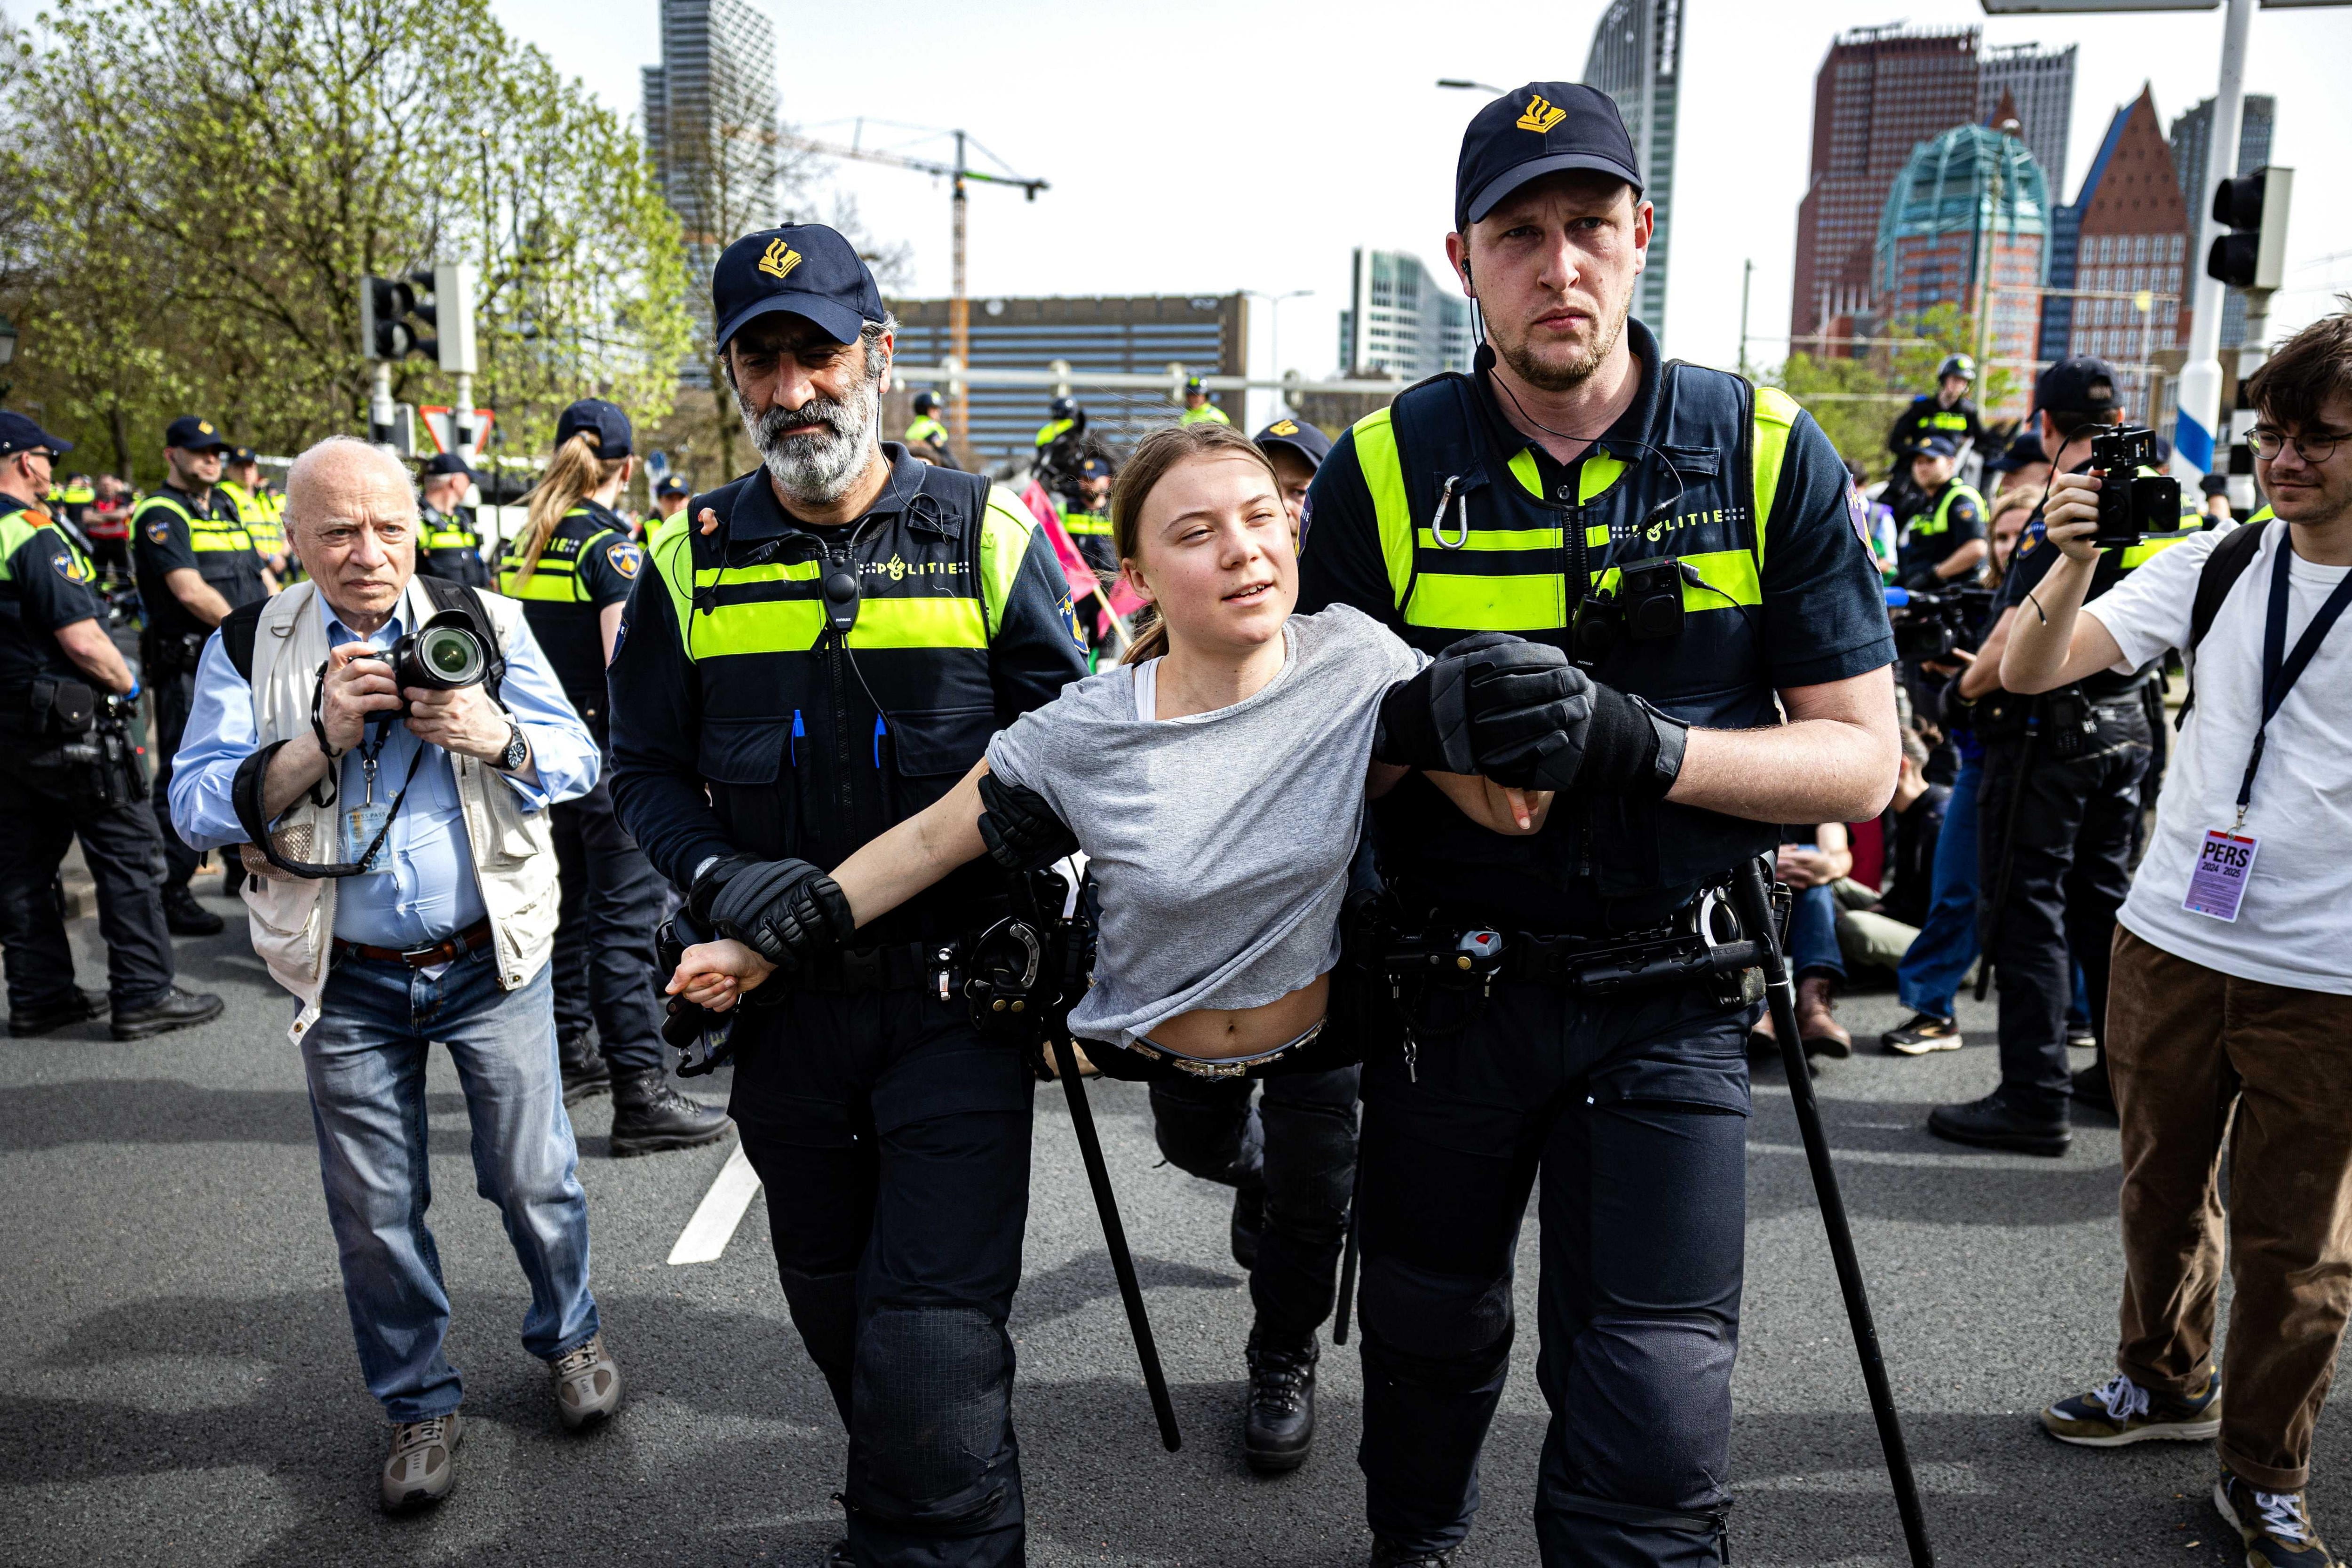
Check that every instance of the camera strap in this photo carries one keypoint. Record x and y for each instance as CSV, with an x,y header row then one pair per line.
x,y
244,796
2281,669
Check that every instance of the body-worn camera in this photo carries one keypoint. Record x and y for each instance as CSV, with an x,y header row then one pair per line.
x,y
442,655
1647,607
2132,505
1929,625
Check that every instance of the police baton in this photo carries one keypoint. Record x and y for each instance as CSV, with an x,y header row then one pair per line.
x,y
1122,1263
1751,895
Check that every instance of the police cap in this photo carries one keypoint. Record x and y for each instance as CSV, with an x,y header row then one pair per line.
x,y
675,485
446,463
2025,450
1934,447
1301,437
1544,128
2083,385
1094,467
603,420
926,401
242,455
802,269
18,434
190,433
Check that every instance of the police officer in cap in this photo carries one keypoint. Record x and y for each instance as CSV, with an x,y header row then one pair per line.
x,y
71,769
926,437
194,563
1086,519
821,653
1943,545
2058,817
446,545
1947,411
573,566
261,509
1197,405
1297,449
670,497
1694,545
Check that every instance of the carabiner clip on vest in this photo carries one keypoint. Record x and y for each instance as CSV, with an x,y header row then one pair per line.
x,y
1461,513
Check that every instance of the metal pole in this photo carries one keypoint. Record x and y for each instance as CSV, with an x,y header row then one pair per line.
x,y
960,313
2201,378
1747,277
1752,896
2252,350
461,417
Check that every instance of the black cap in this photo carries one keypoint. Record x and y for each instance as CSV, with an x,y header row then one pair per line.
x,y
1299,435
1094,467
446,463
599,418
1063,408
242,455
802,269
190,433
1542,129
2214,485
2025,449
18,434
675,485
2083,385
1934,447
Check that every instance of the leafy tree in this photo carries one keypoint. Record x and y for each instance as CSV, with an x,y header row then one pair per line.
x,y
195,189
1855,400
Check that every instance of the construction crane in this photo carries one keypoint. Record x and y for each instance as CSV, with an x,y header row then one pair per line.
x,y
958,299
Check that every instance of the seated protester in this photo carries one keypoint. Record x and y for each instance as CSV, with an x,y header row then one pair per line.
x,y
1811,867
2232,979
1876,926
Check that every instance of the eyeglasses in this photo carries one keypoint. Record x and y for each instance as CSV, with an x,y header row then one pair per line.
x,y
2266,444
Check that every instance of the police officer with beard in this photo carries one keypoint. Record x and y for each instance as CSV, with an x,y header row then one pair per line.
x,y
821,653
1695,543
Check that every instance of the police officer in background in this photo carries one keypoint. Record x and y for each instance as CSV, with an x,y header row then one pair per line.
x,y
824,652
573,566
2057,820
68,767
1197,405
194,563
1695,543
1297,449
1087,517
1064,421
1943,545
670,497
926,437
260,508
446,544
1947,411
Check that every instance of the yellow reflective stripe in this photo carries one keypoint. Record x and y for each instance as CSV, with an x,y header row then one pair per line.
x,y
448,542
1599,471
1730,575
784,572
793,626
1383,472
770,626
1005,526
200,537
1531,602
1086,524
2142,553
672,540
1507,538
1776,415
919,623
1597,536
1523,469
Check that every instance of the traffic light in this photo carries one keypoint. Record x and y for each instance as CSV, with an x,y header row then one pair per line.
x,y
392,311
2252,207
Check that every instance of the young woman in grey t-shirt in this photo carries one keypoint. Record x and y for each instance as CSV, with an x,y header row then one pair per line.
x,y
1216,780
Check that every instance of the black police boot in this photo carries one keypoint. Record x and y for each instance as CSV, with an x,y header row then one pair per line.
x,y
649,1115
1249,1220
2091,1089
1389,1554
176,1009
185,917
1279,1425
1994,1123
80,1007
585,1070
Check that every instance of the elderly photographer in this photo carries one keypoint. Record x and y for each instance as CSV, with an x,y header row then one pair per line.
x,y
405,894
2230,1005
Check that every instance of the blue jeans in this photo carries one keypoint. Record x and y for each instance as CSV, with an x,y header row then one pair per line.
x,y
365,1062
1946,947
1813,931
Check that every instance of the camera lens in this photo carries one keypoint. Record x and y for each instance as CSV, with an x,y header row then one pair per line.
x,y
451,657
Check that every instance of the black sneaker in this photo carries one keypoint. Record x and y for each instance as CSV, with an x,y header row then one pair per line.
x,y
2275,1526
1249,1221
79,1006
1994,1123
1387,1553
585,1070
176,1009
185,917
649,1115
1922,1033
2091,1087
1278,1423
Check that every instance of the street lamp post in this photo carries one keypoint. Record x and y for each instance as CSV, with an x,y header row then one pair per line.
x,y
1465,85
1276,301
7,354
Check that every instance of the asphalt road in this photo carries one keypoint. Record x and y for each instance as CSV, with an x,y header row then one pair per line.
x,y
179,1386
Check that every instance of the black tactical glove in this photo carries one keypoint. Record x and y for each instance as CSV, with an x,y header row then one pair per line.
x,y
1924,580
1019,826
1427,721
787,911
1520,715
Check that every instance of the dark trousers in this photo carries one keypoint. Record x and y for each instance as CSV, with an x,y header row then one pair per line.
x,y
1298,1148
119,843
1634,1114
174,695
2075,821
893,1144
611,901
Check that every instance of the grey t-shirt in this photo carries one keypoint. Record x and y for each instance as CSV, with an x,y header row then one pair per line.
x,y
1221,841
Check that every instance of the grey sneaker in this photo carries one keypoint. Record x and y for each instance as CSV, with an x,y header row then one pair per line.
x,y
587,1385
422,1464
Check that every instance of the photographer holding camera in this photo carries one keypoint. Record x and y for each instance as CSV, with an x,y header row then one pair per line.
x,y
385,747
2230,979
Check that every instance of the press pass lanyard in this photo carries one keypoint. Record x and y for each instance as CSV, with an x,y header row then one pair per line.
x,y
2281,669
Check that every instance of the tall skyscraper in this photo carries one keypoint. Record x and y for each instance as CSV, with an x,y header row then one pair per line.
x,y
1400,320
2041,85
2192,144
1636,58
1880,92
710,121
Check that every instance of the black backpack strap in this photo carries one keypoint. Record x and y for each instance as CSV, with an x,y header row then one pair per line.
x,y
2227,563
237,630
448,593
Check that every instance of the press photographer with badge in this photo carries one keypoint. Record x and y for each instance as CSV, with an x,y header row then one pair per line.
x,y
382,748
2232,973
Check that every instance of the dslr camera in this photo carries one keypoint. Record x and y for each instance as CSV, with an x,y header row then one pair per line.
x,y
2132,505
1928,625
444,654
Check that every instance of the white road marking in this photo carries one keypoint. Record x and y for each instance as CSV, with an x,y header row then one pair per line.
x,y
705,1235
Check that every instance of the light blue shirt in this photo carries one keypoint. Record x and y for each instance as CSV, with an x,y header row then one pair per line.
x,y
428,889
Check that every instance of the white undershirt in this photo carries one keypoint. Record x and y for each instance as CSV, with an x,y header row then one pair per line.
x,y
1147,690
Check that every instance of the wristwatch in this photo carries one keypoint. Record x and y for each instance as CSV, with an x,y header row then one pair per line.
x,y
517,749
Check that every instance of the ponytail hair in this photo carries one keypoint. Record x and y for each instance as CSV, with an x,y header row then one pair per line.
x,y
575,473
1158,455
